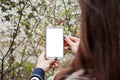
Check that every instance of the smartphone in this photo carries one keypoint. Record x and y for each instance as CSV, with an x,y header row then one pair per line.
x,y
54,43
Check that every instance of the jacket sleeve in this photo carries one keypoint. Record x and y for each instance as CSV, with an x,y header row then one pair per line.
x,y
38,74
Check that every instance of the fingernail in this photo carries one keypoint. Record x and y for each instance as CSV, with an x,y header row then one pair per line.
x,y
64,37
56,58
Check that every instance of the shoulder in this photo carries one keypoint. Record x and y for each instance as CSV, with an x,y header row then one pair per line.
x,y
77,75
80,75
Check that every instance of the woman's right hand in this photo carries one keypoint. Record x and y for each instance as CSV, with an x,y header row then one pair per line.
x,y
46,64
71,43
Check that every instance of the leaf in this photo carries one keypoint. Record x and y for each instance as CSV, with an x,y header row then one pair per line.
x,y
28,67
21,53
69,29
31,15
26,23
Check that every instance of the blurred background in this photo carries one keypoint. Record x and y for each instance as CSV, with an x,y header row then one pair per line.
x,y
22,33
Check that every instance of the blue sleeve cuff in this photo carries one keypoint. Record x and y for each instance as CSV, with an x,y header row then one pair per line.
x,y
39,73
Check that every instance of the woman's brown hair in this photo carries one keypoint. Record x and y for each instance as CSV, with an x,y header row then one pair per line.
x,y
99,49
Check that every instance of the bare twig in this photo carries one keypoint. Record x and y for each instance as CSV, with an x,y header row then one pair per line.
x,y
67,17
55,12
11,45
1,52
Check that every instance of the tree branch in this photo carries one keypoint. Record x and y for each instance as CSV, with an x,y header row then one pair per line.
x,y
11,45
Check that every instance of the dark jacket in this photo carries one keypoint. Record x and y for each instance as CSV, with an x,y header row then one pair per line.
x,y
38,74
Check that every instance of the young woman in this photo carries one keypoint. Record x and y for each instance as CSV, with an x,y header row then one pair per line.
x,y
98,54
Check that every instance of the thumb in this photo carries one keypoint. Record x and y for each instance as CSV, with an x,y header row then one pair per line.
x,y
42,55
67,39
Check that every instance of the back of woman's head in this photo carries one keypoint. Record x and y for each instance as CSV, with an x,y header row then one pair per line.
x,y
100,38
99,49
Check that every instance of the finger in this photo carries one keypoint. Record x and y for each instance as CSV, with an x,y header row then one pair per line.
x,y
67,48
56,64
51,61
67,39
52,66
66,44
74,39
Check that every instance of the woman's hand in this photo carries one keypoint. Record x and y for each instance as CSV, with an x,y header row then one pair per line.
x,y
45,64
71,43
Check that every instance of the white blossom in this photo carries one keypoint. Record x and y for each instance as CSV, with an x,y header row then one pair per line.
x,y
16,1
13,11
38,30
28,11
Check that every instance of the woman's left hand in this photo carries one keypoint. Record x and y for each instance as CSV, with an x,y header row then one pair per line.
x,y
45,64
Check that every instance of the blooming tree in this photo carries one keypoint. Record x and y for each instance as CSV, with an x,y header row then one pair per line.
x,y
22,32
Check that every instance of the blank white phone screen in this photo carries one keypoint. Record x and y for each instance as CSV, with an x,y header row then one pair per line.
x,y
54,43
